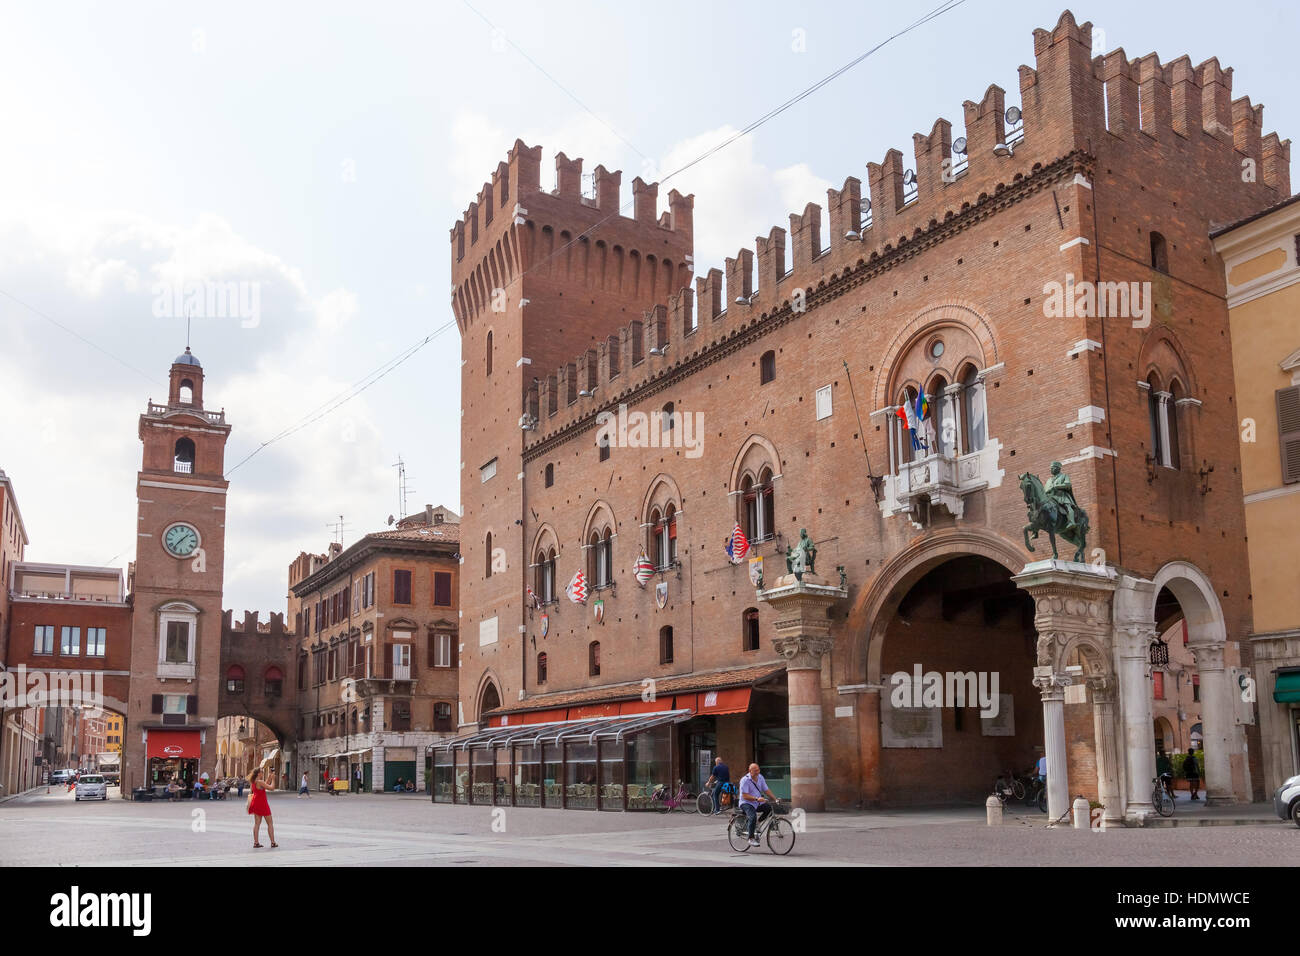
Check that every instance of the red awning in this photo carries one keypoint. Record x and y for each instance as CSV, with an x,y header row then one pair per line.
x,y
593,710
645,706
543,716
732,701
173,743
684,702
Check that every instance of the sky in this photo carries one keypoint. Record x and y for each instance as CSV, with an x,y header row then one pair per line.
x,y
317,154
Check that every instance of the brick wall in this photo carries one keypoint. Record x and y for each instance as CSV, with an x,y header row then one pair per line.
x,y
968,260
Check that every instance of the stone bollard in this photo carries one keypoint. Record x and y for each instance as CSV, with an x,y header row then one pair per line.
x,y
1082,818
993,811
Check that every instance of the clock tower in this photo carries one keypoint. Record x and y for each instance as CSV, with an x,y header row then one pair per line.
x,y
177,585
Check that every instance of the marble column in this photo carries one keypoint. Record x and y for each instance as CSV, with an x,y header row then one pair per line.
x,y
1216,724
802,603
803,657
1052,688
1072,615
1133,651
1102,690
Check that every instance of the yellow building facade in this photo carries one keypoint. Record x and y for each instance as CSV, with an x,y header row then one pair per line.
x,y
1260,256
113,733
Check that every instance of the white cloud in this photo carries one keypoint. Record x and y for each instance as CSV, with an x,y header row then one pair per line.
x,y
70,444
737,197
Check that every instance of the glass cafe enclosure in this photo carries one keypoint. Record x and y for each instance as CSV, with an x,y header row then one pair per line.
x,y
606,763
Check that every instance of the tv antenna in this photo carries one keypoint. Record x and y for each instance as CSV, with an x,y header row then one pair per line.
x,y
337,528
403,489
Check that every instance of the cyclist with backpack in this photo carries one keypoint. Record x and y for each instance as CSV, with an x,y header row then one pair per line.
x,y
717,782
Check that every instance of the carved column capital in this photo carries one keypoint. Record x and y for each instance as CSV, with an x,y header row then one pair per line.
x,y
1051,684
1135,638
802,651
1209,657
1102,687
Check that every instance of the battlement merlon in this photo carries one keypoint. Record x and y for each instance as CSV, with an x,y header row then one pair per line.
x,y
250,625
1071,104
518,179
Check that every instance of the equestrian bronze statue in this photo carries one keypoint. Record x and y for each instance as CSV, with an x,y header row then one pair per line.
x,y
1054,510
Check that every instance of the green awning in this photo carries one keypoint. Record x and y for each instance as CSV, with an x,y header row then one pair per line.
x,y
1287,689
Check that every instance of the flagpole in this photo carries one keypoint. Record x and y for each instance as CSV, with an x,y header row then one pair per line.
x,y
877,481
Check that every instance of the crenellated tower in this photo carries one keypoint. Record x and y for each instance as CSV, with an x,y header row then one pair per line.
x,y
542,283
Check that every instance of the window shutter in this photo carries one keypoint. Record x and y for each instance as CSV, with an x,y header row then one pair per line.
x,y
1288,432
454,649
157,704
191,703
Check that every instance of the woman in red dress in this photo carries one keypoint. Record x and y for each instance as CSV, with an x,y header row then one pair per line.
x,y
259,808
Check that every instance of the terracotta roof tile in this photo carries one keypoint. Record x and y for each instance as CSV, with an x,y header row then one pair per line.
x,y
440,532
682,684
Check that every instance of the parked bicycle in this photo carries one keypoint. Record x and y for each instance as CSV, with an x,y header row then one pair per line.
x,y
775,827
1030,789
683,800
1160,798
1012,784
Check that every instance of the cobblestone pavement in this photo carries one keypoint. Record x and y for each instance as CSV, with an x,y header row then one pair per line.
x,y
41,829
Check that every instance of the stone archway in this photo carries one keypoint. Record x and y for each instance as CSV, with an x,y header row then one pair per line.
x,y
488,696
877,604
1075,673
862,644
1207,638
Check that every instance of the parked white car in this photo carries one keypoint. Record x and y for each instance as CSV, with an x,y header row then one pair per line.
x,y
91,786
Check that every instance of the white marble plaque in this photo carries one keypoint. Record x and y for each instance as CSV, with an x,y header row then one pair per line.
x,y
1004,724
910,726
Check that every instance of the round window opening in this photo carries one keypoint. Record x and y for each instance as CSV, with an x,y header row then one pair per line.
x,y
936,348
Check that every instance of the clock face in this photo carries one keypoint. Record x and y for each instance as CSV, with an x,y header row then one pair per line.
x,y
181,540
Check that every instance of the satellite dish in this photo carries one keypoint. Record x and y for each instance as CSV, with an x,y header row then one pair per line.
x,y
1013,115
391,519
959,145
909,177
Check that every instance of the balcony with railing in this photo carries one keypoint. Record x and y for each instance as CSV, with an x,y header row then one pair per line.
x,y
212,418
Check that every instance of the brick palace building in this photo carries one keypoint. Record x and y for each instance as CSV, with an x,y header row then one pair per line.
x,y
774,386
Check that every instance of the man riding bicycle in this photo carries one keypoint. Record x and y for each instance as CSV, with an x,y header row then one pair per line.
x,y
720,778
753,789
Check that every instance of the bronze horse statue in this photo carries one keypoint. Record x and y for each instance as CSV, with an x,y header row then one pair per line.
x,y
1053,515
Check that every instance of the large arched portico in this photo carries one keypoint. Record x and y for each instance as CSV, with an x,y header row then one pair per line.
x,y
1142,608
1207,635
882,643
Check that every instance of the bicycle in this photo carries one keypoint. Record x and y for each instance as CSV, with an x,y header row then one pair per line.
x,y
1037,795
777,828
704,802
684,800
1160,798
1013,784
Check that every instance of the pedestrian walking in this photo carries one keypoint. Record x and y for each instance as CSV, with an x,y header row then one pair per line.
x,y
302,787
1192,771
258,807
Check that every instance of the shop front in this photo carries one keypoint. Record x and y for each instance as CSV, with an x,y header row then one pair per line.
x,y
612,754
172,755
611,762
742,725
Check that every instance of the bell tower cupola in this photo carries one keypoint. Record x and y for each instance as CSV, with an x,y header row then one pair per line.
x,y
186,388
